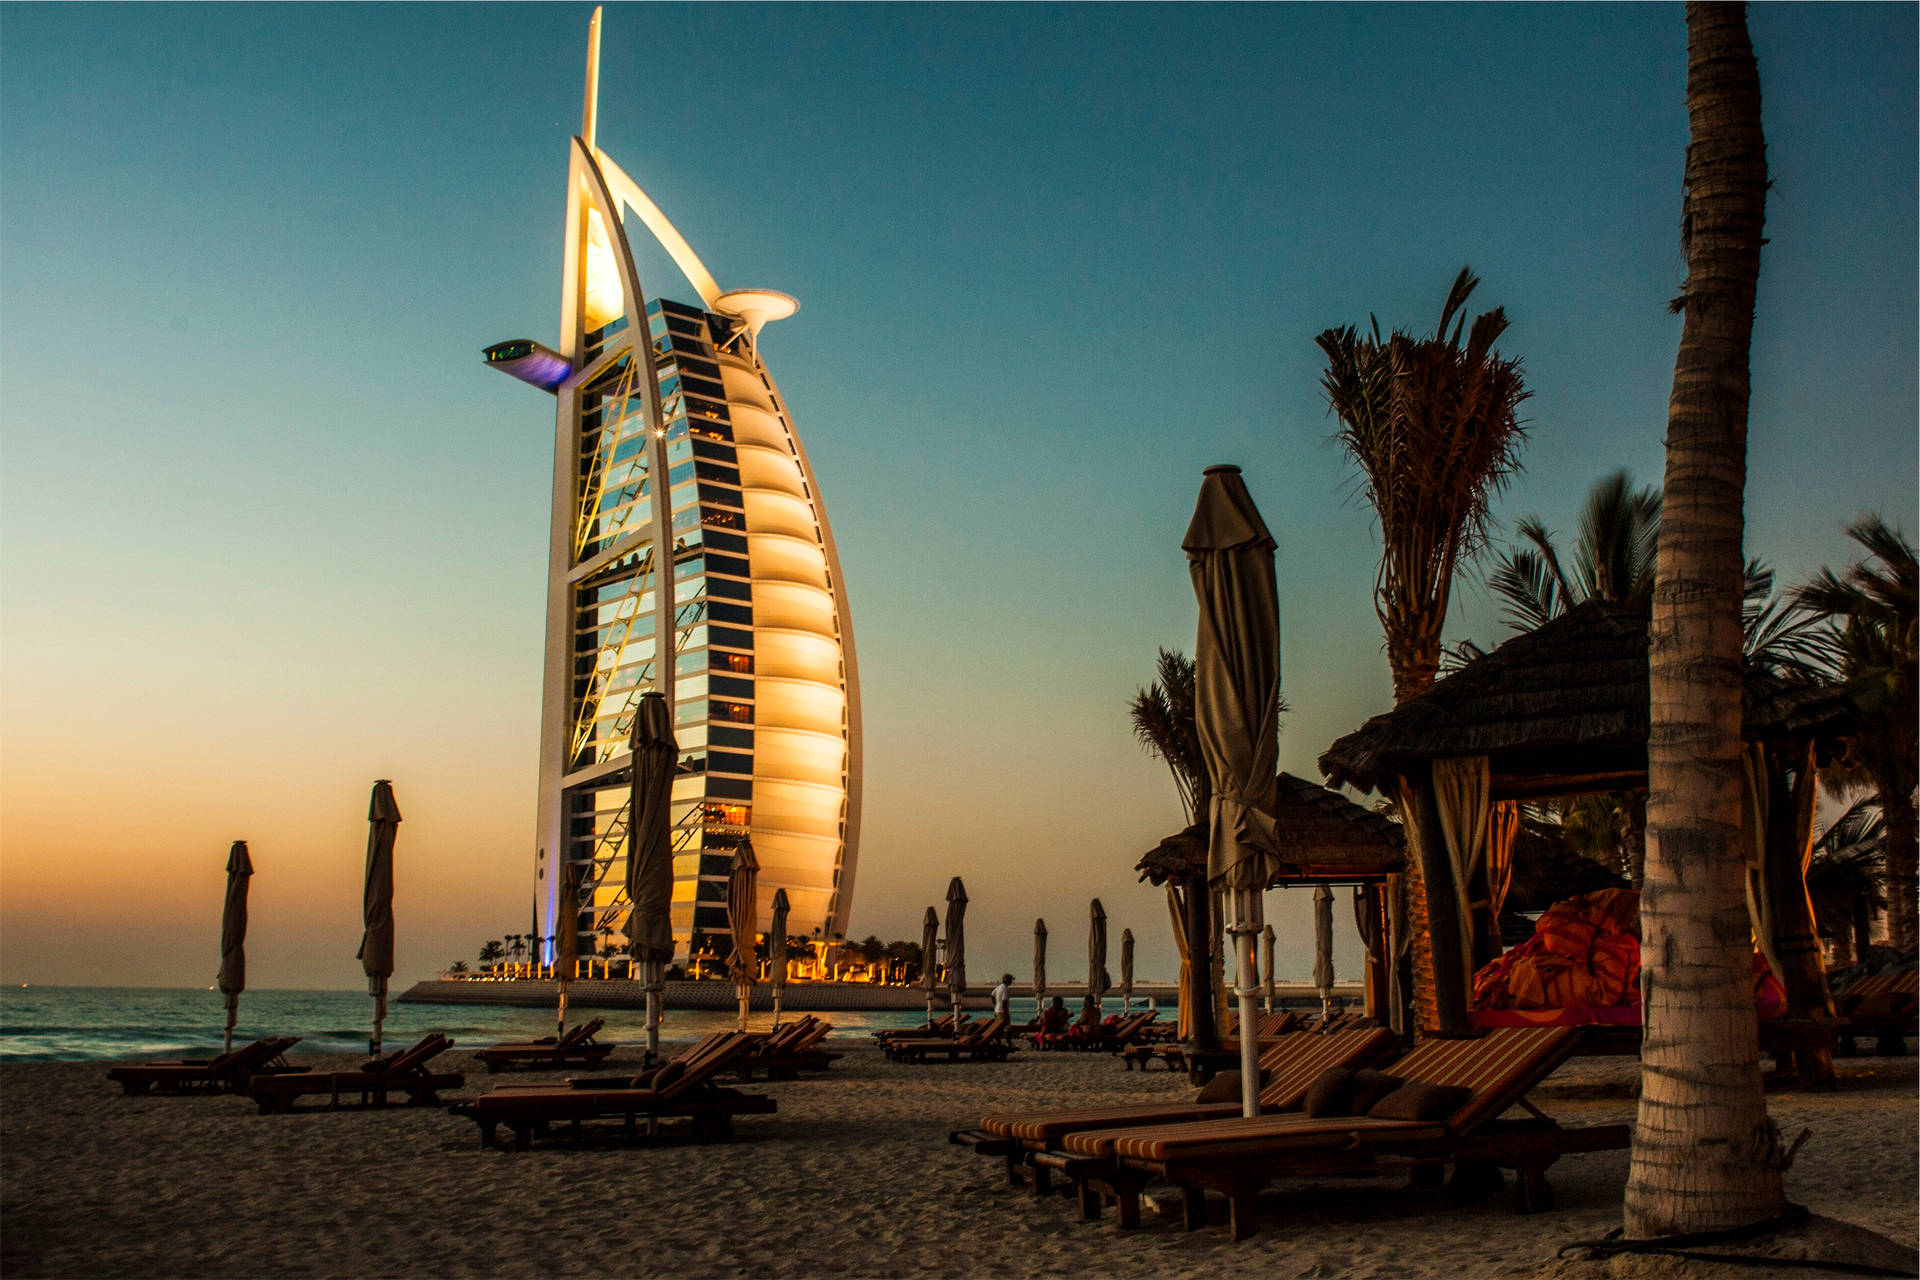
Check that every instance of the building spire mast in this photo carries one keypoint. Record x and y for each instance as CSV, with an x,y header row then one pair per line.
x,y
589,113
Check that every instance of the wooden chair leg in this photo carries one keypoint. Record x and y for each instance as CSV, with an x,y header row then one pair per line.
x,y
1042,1180
1193,1208
1240,1208
1126,1199
1531,1191
1089,1201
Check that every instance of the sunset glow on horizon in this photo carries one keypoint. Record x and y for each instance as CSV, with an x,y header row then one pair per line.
x,y
269,530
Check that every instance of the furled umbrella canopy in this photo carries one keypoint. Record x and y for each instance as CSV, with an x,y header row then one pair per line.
x,y
376,943
956,945
233,934
1039,962
1097,980
1236,683
1126,966
1323,947
742,883
929,958
777,949
566,941
650,852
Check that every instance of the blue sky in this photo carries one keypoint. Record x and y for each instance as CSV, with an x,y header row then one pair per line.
x,y
268,530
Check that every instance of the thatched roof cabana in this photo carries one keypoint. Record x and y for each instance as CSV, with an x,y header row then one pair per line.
x,y
1559,710
1324,838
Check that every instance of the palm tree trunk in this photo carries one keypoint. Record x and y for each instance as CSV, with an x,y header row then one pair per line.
x,y
1903,843
1704,1154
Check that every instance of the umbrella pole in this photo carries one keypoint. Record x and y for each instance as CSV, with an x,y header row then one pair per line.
x,y
233,1014
776,1009
652,979
560,1028
929,1010
1246,926
379,1016
746,994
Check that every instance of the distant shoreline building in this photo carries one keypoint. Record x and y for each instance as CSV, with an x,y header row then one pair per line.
x,y
761,671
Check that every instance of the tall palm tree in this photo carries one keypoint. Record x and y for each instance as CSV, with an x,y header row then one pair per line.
x,y
1163,723
1704,1153
1433,425
491,952
1611,558
1871,610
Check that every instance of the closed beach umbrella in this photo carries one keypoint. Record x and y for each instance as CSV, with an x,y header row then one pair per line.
x,y
742,963
1126,969
777,950
929,966
566,942
650,853
956,946
1236,682
1097,980
376,943
1039,963
1266,963
1323,947
233,934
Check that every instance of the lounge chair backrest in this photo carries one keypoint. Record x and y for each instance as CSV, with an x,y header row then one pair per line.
x,y
815,1034
1499,1067
1301,1056
429,1046
983,1032
723,1049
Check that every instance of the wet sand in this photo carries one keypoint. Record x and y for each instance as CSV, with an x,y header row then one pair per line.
x,y
853,1177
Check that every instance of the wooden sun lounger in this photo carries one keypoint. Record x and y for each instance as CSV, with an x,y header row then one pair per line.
x,y
1290,1065
942,1026
987,1041
403,1072
576,1048
1885,1006
790,1050
1241,1156
229,1072
688,1092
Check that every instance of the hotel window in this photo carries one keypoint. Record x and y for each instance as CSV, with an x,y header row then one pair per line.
x,y
729,588
732,686
729,637
740,662
737,712
727,736
729,788
729,762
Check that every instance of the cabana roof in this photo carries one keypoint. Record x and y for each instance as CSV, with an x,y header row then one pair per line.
x,y
1323,836
1558,710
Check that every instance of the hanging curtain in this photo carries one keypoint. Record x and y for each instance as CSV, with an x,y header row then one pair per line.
x,y
1755,791
1177,908
1503,829
1364,920
1770,916
1460,794
1399,946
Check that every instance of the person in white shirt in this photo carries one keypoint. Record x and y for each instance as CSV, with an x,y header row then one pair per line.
x,y
1003,995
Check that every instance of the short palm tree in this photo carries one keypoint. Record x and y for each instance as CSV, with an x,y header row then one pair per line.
x,y
492,952
1162,715
1432,424
1845,879
1871,611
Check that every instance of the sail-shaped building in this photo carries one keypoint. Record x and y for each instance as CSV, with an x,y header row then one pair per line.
x,y
690,555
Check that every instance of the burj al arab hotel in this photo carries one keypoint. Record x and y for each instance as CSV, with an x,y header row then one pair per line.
x,y
690,555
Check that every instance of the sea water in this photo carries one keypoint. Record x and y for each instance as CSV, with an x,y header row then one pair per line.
x,y
56,1024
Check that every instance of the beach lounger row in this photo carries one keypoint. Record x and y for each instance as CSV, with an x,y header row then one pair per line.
x,y
788,1050
682,1089
576,1048
229,1072
1455,1119
941,1026
405,1072
1100,1038
987,1041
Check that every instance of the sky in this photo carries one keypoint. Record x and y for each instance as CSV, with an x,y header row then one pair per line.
x,y
269,530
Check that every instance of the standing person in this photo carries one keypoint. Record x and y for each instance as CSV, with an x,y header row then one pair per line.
x,y
1003,995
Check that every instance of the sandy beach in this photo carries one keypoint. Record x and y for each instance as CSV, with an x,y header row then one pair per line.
x,y
853,1176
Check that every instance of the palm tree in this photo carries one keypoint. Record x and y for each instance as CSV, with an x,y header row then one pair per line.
x,y
1432,424
1844,879
517,944
492,952
1705,1156
1871,611
605,930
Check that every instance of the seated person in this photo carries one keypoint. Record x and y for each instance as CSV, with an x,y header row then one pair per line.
x,y
1054,1019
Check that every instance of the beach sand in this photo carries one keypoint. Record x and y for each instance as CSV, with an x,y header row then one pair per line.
x,y
854,1176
